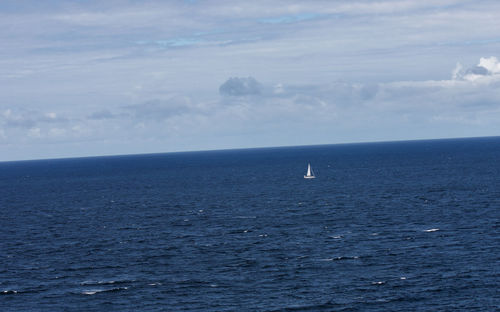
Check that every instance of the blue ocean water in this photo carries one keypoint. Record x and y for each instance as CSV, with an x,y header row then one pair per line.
x,y
402,226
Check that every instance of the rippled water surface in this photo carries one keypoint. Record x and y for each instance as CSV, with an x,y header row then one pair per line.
x,y
384,227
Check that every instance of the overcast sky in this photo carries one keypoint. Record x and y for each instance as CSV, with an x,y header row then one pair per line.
x,y
81,78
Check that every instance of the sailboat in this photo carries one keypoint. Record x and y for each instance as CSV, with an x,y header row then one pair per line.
x,y
310,173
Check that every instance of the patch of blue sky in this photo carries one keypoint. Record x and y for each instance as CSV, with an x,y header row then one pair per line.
x,y
288,19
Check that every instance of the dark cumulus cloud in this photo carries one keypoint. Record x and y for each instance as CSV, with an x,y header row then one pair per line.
x,y
236,86
478,70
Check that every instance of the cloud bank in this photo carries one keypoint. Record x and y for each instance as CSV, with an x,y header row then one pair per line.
x,y
469,100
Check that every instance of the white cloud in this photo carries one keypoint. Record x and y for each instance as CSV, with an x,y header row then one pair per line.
x,y
487,70
491,64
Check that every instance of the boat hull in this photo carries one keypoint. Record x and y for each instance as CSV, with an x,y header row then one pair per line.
x,y
309,177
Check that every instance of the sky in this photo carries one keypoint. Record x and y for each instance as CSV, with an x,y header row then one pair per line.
x,y
89,78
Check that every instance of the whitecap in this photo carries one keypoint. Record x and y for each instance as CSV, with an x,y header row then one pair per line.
x,y
104,282
8,292
340,258
431,230
96,291
88,283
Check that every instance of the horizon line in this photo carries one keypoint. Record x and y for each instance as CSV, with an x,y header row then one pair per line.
x,y
248,148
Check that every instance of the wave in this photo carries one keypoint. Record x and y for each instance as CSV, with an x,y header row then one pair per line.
x,y
337,236
378,283
431,230
313,307
97,291
341,258
105,282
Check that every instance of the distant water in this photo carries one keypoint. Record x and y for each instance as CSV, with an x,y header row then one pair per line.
x,y
406,226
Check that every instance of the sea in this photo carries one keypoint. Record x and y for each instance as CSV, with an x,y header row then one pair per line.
x,y
393,226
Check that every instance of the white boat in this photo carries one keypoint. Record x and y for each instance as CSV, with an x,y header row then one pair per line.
x,y
310,173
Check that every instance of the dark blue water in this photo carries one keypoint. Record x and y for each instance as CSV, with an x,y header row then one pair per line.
x,y
408,226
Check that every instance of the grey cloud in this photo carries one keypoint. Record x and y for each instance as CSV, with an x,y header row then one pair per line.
x,y
477,70
368,91
102,114
161,109
29,118
333,94
240,87
21,122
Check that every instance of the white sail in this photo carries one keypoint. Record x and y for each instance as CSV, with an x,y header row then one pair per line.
x,y
310,173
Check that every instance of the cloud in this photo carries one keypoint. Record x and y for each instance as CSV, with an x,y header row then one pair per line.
x,y
471,97
25,125
487,69
14,120
240,87
21,118
34,133
337,106
162,109
102,114
491,64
